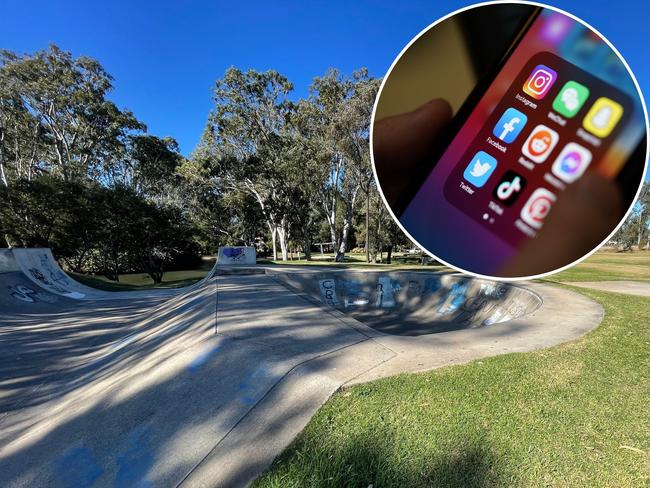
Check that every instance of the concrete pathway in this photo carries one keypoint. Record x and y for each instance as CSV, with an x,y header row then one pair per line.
x,y
639,288
162,400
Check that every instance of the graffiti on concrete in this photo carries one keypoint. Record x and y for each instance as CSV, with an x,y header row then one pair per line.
x,y
22,293
384,297
28,295
354,296
235,253
328,292
358,300
41,277
455,298
432,285
414,289
56,275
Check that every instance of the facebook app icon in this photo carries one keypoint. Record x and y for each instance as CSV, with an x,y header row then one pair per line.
x,y
509,125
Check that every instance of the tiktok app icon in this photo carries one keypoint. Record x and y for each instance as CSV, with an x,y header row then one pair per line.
x,y
509,188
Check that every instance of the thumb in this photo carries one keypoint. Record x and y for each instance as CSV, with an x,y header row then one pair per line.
x,y
402,142
584,215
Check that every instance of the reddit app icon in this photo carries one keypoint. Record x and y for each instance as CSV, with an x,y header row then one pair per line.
x,y
540,143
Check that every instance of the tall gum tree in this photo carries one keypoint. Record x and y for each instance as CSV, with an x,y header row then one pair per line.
x,y
342,108
55,117
248,137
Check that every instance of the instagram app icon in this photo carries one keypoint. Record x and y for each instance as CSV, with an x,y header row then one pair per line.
x,y
540,81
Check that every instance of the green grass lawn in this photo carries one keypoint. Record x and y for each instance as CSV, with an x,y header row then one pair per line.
x,y
603,265
140,281
609,265
354,260
575,415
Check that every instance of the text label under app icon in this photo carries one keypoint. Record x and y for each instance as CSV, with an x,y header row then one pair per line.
x,y
540,143
510,125
540,81
537,208
603,117
479,169
571,98
509,188
572,162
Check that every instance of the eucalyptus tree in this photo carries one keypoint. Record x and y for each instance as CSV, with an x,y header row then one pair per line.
x,y
55,117
248,139
342,111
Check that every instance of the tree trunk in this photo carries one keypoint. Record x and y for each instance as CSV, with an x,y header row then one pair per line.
x,y
332,225
282,234
274,232
3,176
340,253
306,243
640,233
347,224
156,276
389,253
368,226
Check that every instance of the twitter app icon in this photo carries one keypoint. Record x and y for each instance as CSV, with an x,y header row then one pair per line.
x,y
479,169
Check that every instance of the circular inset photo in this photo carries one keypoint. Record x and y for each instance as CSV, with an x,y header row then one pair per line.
x,y
509,140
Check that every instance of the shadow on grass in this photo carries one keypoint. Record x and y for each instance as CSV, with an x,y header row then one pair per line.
x,y
374,459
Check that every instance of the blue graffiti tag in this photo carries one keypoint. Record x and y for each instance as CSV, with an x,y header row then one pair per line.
x,y
455,298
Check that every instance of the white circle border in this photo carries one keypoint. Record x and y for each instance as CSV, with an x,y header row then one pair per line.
x,y
458,268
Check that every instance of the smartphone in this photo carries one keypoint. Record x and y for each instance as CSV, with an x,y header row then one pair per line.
x,y
560,103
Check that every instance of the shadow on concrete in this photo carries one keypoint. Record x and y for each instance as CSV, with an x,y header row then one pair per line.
x,y
43,356
113,414
140,396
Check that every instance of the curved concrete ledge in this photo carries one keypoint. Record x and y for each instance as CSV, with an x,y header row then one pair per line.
x,y
415,303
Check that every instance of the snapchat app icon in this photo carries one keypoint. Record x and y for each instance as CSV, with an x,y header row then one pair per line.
x,y
603,117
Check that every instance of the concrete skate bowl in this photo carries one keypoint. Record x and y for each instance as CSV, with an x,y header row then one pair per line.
x,y
416,303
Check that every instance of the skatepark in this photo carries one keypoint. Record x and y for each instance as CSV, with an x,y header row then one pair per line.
x,y
206,385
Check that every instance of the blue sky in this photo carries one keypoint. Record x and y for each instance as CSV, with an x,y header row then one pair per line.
x,y
166,55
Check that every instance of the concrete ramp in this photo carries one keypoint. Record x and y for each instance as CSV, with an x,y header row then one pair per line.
x,y
34,276
416,303
42,269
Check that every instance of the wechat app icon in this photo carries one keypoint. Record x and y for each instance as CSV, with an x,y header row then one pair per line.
x,y
571,98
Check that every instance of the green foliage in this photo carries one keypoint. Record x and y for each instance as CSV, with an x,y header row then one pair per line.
x,y
78,175
94,228
56,117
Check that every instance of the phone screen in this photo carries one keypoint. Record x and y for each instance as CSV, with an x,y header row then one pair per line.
x,y
562,104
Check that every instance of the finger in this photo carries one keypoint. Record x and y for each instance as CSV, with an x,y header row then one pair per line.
x,y
402,142
584,215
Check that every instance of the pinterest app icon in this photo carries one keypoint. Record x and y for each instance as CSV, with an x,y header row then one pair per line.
x,y
537,207
540,81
